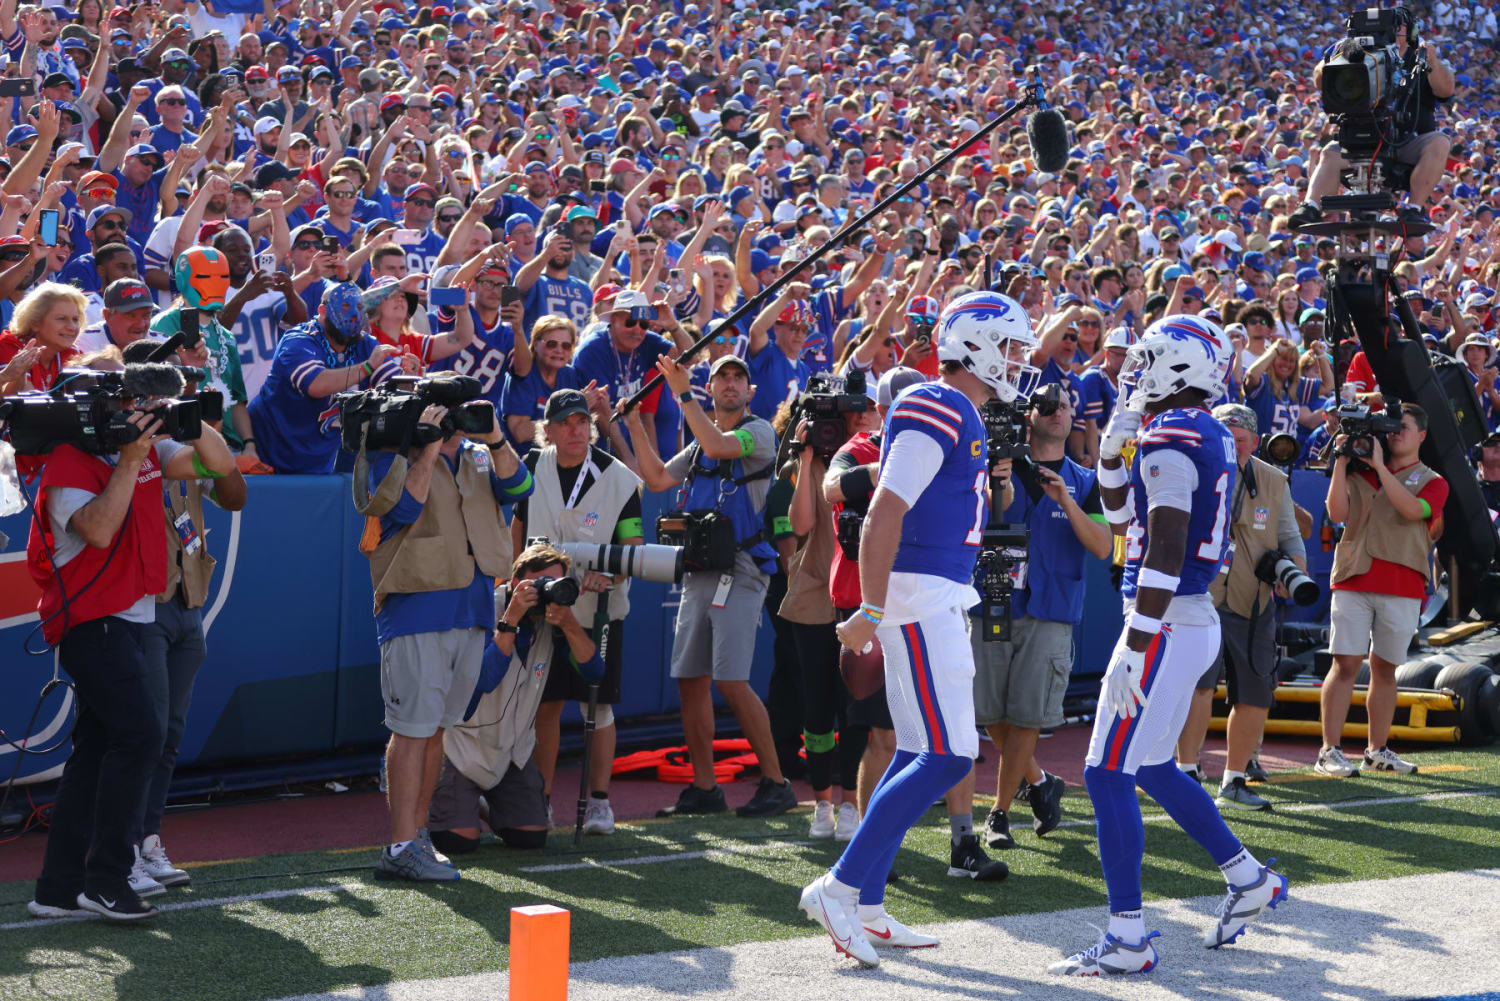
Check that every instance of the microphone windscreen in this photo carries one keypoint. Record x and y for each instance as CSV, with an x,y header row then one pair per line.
x,y
1047,132
153,379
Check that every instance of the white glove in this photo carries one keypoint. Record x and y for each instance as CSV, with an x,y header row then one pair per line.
x,y
1123,425
1121,690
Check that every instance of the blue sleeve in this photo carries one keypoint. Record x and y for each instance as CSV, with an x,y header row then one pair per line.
x,y
407,510
302,361
15,44
516,486
513,401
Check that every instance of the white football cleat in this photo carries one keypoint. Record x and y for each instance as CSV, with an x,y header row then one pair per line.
x,y
1243,904
1109,955
885,932
835,912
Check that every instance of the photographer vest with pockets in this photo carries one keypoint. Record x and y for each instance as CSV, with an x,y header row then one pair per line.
x,y
193,570
1374,531
460,526
1253,525
502,731
590,518
712,484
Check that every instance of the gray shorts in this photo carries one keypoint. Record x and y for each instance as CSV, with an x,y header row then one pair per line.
x,y
717,641
517,801
1408,152
1023,682
426,679
1360,617
1249,661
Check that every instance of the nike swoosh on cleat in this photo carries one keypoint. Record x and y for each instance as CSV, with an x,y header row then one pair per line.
x,y
877,934
841,944
107,902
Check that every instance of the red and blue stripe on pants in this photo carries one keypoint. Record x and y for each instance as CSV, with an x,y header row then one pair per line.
x,y
1123,730
926,689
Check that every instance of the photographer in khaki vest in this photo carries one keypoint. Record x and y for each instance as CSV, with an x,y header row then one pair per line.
x,y
1262,519
1380,571
582,494
437,539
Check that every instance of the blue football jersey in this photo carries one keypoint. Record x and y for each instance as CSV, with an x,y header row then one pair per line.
x,y
940,535
1210,447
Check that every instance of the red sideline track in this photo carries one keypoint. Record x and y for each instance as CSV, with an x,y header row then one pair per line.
x,y
356,820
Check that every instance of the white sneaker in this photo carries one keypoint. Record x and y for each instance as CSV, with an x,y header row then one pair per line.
x,y
822,820
1243,904
885,932
1331,761
600,818
848,821
1383,759
1109,955
142,881
159,867
835,911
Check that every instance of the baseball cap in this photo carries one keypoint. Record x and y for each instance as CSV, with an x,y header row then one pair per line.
x,y
1236,415
20,134
106,210
894,382
94,180
125,295
271,173
1310,313
344,309
1308,274
564,404
727,360
635,303
265,124
417,187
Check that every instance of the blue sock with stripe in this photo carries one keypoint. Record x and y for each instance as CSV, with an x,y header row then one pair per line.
x,y
1190,805
1122,835
903,796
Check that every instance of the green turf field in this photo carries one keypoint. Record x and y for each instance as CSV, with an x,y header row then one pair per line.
x,y
327,924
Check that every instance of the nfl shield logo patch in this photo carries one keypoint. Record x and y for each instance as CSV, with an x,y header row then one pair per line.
x,y
591,519
1261,514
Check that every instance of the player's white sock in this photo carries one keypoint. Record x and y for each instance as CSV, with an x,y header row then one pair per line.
x,y
397,847
1127,926
1230,776
1242,870
870,912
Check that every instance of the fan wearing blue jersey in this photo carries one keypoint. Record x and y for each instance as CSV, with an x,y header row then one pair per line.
x,y
916,564
1173,510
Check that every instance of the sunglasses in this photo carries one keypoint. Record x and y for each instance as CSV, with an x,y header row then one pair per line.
x,y
797,328
425,203
170,101
109,224
340,194
1088,323
720,339
631,322
306,245
670,156
558,345
1069,337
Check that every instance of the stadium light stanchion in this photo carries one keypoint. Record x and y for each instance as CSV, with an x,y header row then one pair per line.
x,y
755,302
539,945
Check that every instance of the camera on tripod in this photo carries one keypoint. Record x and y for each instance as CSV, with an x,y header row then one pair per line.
x,y
1361,426
91,410
705,538
827,399
388,416
1003,547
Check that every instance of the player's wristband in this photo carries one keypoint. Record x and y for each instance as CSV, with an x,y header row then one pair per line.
x,y
872,618
1158,580
1113,478
1143,623
872,612
1115,515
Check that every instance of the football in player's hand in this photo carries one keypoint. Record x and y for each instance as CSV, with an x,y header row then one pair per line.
x,y
863,672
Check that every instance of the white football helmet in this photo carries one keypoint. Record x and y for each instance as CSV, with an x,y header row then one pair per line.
x,y
1176,353
990,335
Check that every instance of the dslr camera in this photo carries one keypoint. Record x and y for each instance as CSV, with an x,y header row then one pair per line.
x,y
555,591
1362,425
1276,567
827,399
91,410
662,564
705,538
388,416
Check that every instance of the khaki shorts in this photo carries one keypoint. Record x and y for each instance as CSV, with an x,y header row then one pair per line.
x,y
1357,617
1023,682
427,679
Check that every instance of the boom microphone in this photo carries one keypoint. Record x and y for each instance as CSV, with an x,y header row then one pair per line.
x,y
1047,132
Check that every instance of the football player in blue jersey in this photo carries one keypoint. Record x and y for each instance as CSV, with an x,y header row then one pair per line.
x,y
916,565
1173,509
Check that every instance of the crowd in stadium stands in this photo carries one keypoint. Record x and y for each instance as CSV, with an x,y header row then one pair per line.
x,y
603,183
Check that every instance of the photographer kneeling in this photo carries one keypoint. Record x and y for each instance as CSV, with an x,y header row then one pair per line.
x,y
98,551
488,757
436,538
1379,580
1262,522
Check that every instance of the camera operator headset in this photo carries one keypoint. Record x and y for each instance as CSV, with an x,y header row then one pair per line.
x,y
1425,150
852,474
436,538
724,476
582,494
490,754
1390,510
1019,682
1262,519
98,551
809,608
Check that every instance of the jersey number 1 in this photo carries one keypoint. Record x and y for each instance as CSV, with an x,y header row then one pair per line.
x,y
974,537
1213,549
